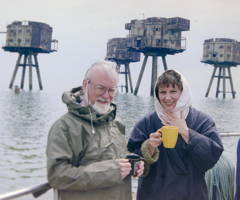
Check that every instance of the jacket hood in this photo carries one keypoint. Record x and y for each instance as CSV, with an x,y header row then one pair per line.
x,y
183,103
74,101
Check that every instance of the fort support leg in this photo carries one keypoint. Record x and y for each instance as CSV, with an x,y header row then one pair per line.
x,y
126,77
164,62
38,72
154,74
130,78
30,64
218,81
140,75
24,70
210,83
224,82
15,70
231,82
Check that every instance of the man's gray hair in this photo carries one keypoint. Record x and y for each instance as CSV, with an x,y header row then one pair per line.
x,y
109,67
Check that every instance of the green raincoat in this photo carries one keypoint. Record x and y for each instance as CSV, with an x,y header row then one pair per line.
x,y
81,152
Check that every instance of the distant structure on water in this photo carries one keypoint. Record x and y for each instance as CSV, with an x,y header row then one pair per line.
x,y
156,37
16,89
28,39
118,52
222,53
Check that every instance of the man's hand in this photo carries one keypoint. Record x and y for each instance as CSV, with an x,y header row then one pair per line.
x,y
125,167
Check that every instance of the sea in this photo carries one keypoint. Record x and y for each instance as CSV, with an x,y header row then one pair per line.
x,y
26,117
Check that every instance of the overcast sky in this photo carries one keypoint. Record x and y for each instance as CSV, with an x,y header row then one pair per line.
x,y
84,26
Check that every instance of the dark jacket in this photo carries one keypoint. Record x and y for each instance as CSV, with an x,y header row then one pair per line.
x,y
81,152
237,194
179,173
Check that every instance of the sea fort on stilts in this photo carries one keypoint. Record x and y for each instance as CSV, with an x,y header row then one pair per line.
x,y
156,37
117,51
28,39
222,53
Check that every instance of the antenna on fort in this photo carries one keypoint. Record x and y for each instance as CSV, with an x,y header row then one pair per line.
x,y
222,53
28,39
118,52
156,37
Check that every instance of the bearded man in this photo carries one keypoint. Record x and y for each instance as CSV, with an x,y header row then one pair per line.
x,y
87,147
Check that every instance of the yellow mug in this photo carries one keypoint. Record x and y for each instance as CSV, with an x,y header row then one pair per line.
x,y
169,136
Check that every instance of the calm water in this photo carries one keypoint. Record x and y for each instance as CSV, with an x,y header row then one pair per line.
x,y
26,118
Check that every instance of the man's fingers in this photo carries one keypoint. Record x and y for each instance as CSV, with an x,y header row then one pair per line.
x,y
125,167
122,160
124,163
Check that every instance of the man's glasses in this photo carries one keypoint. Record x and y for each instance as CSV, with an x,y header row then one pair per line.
x,y
100,90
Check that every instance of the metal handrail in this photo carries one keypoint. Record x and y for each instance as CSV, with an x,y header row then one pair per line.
x,y
36,191
229,134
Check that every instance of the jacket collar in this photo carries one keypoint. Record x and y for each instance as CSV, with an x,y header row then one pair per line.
x,y
74,98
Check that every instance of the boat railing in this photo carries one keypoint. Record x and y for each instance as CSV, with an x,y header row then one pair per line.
x,y
230,134
38,190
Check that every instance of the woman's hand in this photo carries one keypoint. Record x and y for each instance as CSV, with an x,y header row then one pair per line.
x,y
169,119
155,140
140,169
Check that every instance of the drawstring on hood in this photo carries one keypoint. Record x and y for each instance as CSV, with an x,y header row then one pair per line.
x,y
183,103
85,102
93,130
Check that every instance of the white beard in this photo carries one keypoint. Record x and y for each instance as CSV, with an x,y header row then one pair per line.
x,y
101,108
98,107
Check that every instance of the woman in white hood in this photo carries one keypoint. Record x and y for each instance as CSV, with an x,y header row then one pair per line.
x,y
178,173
